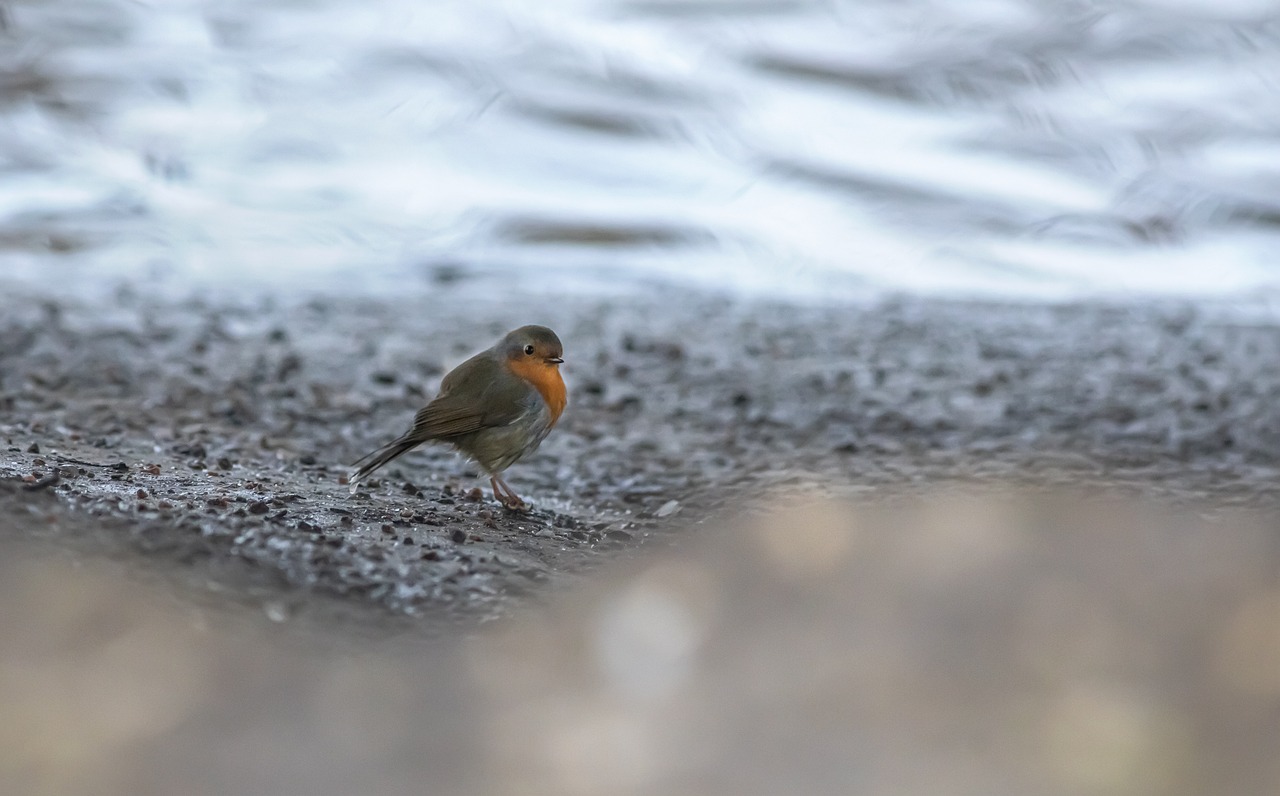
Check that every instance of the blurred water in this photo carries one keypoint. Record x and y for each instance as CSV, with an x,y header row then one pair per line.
x,y
990,146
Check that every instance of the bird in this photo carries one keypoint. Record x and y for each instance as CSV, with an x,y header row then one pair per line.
x,y
496,408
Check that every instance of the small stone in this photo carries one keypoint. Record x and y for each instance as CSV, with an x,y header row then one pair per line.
x,y
258,507
224,463
668,508
142,494
276,610
33,448
459,536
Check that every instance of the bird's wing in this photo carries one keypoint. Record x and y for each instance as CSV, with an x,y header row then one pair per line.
x,y
474,395
479,369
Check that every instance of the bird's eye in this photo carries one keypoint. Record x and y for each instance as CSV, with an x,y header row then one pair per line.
x,y
528,350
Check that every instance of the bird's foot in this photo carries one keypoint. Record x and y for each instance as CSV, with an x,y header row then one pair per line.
x,y
514,503
507,496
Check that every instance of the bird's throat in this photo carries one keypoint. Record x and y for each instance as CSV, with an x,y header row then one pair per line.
x,y
546,379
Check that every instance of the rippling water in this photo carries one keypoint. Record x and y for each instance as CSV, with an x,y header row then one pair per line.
x,y
1021,148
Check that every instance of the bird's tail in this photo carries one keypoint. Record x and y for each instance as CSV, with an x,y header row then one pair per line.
x,y
366,465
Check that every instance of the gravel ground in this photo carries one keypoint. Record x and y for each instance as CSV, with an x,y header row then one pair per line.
x,y
215,432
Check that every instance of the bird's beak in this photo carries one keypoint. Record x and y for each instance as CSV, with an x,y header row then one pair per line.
x,y
555,360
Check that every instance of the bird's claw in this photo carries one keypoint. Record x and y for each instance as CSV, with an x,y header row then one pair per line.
x,y
514,503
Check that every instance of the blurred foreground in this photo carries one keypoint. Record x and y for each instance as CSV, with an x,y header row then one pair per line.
x,y
952,644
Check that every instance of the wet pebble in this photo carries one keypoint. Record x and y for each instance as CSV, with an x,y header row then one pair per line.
x,y
276,610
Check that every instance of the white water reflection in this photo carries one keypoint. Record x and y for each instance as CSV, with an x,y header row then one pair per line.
x,y
1008,147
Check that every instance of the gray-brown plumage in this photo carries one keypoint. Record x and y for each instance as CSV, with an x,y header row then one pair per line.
x,y
496,407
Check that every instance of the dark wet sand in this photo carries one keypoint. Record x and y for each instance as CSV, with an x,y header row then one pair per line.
x,y
213,433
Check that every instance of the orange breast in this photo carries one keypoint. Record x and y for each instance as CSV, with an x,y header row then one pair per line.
x,y
547,381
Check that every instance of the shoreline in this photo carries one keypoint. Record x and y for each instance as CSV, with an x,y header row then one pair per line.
x,y
234,420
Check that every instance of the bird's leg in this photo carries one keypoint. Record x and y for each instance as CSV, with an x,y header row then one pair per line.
x,y
497,495
511,500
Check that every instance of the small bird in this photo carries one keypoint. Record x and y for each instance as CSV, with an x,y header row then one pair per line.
x,y
496,407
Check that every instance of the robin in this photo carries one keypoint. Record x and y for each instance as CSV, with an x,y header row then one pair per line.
x,y
496,407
